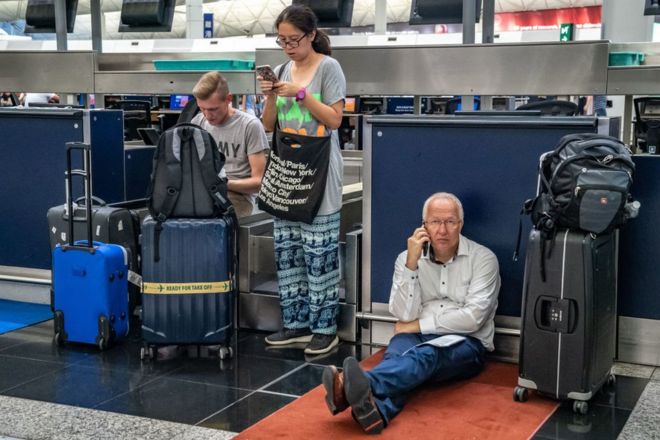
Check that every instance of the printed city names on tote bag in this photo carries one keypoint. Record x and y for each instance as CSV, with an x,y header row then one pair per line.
x,y
294,182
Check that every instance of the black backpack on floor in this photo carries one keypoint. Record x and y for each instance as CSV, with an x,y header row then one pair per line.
x,y
584,184
187,180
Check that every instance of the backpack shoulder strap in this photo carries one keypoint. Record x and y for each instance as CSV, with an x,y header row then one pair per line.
x,y
169,150
212,182
172,148
189,111
186,124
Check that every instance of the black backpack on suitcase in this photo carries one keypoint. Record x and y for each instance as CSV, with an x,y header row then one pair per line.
x,y
188,179
584,185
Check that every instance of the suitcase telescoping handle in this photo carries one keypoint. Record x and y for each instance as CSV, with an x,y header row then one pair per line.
x,y
85,174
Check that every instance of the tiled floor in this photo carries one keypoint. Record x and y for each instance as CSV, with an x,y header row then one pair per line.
x,y
231,395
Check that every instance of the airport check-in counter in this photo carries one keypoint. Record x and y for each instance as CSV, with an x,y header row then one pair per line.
x,y
352,166
258,303
485,70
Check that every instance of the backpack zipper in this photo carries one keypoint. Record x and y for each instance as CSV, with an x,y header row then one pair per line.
x,y
578,188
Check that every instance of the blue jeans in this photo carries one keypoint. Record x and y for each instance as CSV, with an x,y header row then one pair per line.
x,y
402,371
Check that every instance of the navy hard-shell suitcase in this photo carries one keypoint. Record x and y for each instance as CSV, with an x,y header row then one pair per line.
x,y
189,290
90,279
568,335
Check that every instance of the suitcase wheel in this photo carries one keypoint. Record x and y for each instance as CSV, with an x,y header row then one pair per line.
x,y
580,407
147,352
58,324
611,380
105,333
225,353
58,339
520,394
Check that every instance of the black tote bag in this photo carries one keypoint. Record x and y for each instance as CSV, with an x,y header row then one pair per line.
x,y
296,173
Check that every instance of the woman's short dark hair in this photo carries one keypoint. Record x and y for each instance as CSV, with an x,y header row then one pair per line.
x,y
302,17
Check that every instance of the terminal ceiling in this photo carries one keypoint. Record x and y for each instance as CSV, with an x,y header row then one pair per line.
x,y
250,17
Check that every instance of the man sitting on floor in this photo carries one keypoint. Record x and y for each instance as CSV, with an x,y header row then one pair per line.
x,y
445,301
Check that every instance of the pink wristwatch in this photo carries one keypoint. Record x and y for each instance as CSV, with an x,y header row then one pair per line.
x,y
301,94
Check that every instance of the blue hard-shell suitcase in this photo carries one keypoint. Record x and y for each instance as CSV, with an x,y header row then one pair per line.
x,y
90,279
114,223
188,283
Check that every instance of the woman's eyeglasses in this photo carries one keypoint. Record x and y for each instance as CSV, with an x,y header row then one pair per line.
x,y
292,43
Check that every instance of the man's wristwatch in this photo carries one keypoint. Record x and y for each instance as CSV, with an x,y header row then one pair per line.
x,y
300,95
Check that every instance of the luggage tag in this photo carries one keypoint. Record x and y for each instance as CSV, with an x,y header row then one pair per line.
x,y
135,278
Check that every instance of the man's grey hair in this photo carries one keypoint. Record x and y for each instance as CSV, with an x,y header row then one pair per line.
x,y
446,196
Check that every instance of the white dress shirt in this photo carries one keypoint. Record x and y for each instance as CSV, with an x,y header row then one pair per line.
x,y
457,297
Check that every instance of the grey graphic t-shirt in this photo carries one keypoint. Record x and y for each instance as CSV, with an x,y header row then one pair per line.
x,y
329,87
237,138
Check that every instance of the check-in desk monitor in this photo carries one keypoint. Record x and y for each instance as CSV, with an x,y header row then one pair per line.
x,y
137,114
647,124
178,102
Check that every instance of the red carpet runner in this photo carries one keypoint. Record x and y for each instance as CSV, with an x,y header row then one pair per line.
x,y
480,408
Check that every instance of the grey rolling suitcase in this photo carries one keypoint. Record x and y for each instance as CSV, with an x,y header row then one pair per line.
x,y
110,224
568,335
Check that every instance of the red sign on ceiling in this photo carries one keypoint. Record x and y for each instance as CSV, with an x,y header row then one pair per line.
x,y
547,19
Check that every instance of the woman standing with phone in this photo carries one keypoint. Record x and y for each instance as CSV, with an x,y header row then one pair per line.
x,y
308,100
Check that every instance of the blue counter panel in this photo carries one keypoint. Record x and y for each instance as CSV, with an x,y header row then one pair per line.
x,y
491,166
32,170
639,246
138,162
107,141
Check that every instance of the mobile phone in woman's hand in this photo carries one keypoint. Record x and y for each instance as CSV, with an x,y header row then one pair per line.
x,y
266,73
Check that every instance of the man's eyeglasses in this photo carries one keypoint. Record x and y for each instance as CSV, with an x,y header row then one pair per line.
x,y
450,224
292,43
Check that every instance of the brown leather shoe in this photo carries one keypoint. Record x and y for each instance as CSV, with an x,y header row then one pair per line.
x,y
333,382
358,395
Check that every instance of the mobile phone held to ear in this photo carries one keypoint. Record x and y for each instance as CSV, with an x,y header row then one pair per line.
x,y
425,248
266,72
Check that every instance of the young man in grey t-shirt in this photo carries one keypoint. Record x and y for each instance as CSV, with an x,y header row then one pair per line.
x,y
240,137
